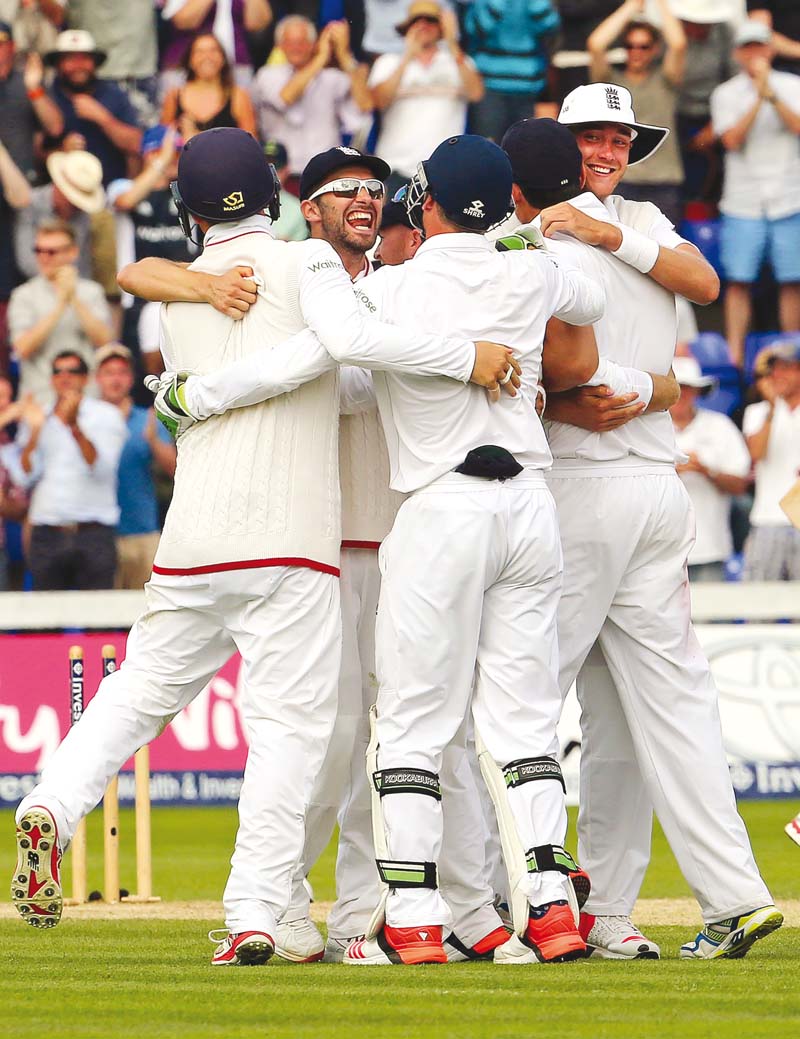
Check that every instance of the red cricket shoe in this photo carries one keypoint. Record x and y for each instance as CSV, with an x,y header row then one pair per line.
x,y
36,884
552,934
398,945
457,951
244,949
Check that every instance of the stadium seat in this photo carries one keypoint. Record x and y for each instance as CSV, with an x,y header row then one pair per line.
x,y
711,348
711,351
705,235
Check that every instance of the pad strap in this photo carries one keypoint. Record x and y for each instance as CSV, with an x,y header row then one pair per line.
x,y
407,781
526,770
407,874
550,857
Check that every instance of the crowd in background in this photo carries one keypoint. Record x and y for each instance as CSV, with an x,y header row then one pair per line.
x,y
97,97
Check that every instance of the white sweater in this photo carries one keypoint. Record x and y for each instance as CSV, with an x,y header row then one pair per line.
x,y
258,485
368,505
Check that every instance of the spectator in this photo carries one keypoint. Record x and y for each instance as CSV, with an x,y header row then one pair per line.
x,y
423,92
25,106
69,456
570,67
75,193
291,226
210,98
653,88
131,54
709,40
229,20
13,500
35,23
783,17
772,431
398,238
507,41
15,194
147,444
380,21
757,117
718,467
96,109
55,311
305,104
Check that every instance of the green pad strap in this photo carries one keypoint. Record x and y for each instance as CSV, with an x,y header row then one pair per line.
x,y
407,874
526,770
550,857
407,781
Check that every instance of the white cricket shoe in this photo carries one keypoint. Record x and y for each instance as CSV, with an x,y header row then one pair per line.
x,y
299,941
244,949
616,938
514,951
36,884
792,829
731,939
335,947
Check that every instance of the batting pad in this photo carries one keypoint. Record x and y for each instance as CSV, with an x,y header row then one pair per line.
x,y
378,917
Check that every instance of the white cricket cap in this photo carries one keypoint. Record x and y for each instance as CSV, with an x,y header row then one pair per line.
x,y
609,103
688,373
752,32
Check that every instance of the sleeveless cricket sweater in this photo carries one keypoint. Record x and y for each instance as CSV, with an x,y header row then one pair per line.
x,y
257,486
369,506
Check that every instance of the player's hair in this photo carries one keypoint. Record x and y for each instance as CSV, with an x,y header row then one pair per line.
x,y
541,198
295,19
56,226
84,367
225,73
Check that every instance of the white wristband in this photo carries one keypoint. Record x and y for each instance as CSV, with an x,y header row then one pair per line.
x,y
637,250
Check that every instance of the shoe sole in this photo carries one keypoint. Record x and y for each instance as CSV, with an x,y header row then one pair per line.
x,y
599,953
737,951
293,957
44,908
559,950
253,954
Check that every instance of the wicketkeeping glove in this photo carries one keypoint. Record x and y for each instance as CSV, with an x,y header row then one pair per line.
x,y
170,403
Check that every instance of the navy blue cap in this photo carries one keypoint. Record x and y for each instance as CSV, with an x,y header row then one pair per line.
x,y
223,175
470,178
321,166
544,155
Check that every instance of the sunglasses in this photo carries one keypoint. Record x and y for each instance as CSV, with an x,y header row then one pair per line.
x,y
638,46
40,250
69,371
349,187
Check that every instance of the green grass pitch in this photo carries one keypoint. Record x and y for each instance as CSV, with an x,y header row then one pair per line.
x,y
151,979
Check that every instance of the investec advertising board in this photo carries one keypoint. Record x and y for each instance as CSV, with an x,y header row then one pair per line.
x,y
199,757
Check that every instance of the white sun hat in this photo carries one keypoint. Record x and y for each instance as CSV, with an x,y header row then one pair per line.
x,y
705,12
79,176
609,103
688,373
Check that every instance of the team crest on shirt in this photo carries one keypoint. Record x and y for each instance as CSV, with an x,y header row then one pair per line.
x,y
233,202
475,208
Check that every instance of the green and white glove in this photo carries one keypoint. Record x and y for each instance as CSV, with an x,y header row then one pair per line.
x,y
521,239
170,403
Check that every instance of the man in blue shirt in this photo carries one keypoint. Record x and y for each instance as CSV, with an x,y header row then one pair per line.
x,y
148,444
97,109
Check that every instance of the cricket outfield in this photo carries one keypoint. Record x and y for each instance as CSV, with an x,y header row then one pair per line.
x,y
144,972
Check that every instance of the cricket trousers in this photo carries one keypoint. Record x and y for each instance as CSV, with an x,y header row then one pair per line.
x,y
341,791
471,574
651,733
285,623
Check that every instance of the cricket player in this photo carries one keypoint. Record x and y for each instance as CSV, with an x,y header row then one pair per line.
x,y
249,556
651,737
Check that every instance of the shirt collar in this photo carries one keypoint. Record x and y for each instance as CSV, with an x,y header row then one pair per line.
x,y
223,232
457,240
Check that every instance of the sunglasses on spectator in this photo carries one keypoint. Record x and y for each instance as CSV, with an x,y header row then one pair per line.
x,y
41,250
71,370
638,46
349,187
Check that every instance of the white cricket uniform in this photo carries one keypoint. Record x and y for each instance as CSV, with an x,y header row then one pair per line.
x,y
471,568
651,729
248,560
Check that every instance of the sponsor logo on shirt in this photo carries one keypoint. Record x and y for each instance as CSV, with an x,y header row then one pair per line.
x,y
322,265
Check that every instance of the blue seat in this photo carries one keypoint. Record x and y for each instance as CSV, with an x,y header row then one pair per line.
x,y
705,235
711,348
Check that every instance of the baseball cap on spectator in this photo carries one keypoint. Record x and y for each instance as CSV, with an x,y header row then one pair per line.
x,y
277,154
609,103
111,351
762,362
78,175
544,155
688,373
6,33
786,349
75,41
321,166
427,9
153,138
752,32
